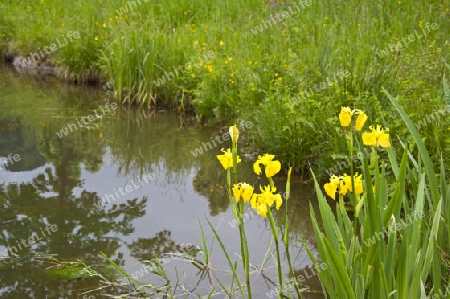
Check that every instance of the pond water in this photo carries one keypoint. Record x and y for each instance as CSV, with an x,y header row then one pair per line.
x,y
78,177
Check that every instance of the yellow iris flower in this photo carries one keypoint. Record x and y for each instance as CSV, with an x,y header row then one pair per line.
x,y
343,184
271,167
261,202
378,137
227,159
357,181
242,190
345,117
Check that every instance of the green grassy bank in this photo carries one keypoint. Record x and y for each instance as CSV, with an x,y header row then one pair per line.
x,y
286,66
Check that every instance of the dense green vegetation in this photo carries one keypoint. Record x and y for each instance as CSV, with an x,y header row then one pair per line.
x,y
288,67
394,242
285,65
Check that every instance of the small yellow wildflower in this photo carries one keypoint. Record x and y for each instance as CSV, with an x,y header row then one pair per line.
x,y
96,38
227,159
104,25
377,137
221,43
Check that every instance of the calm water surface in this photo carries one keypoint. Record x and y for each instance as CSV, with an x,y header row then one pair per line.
x,y
126,184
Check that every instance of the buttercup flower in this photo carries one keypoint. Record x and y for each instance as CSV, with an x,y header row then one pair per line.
x,y
242,190
271,167
377,137
227,159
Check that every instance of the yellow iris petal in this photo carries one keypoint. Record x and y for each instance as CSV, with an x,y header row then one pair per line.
x,y
262,210
369,139
257,168
272,168
383,140
247,192
360,121
358,184
279,201
330,189
227,159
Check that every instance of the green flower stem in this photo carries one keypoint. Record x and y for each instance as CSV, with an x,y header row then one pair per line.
x,y
286,234
235,156
238,210
352,169
271,183
244,249
275,237
229,183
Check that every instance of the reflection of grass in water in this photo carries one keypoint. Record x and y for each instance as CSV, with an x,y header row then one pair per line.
x,y
139,144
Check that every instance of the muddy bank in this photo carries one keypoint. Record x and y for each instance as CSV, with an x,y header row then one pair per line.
x,y
44,67
32,66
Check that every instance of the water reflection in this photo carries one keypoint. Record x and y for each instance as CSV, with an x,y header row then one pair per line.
x,y
61,181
